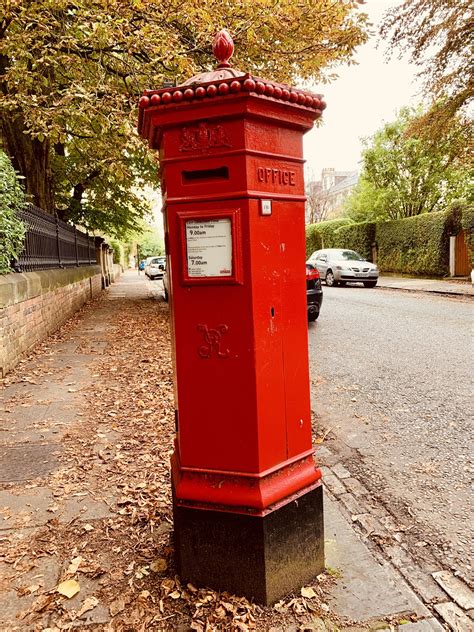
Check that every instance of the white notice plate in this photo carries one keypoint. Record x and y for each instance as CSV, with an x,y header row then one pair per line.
x,y
209,248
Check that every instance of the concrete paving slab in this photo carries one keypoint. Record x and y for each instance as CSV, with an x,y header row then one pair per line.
x,y
454,617
16,583
30,509
456,589
366,589
88,588
84,508
37,422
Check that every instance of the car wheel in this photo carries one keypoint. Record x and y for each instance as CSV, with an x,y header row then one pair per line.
x,y
166,295
370,283
330,280
312,317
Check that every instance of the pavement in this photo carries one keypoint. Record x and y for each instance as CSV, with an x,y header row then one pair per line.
x,y
39,412
438,286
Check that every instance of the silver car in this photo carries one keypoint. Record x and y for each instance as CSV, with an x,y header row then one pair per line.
x,y
338,266
155,267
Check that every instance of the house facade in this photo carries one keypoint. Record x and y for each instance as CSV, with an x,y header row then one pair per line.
x,y
325,197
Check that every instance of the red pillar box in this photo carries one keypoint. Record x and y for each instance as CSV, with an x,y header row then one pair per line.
x,y
248,513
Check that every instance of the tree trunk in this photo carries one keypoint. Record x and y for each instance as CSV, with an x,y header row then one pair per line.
x,y
31,158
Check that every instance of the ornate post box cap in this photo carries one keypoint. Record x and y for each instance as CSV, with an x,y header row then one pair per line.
x,y
224,82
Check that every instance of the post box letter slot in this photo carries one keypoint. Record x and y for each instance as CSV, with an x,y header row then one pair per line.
x,y
220,173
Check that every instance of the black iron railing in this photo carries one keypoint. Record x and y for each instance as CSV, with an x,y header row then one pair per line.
x,y
52,243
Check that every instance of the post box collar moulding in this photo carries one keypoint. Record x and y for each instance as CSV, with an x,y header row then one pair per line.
x,y
226,82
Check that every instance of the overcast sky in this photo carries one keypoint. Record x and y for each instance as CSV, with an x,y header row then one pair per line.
x,y
360,101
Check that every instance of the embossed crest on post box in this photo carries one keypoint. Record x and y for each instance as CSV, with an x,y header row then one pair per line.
x,y
203,137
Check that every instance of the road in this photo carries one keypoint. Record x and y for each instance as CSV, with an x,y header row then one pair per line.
x,y
392,380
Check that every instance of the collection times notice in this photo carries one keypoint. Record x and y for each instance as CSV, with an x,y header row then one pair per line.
x,y
209,248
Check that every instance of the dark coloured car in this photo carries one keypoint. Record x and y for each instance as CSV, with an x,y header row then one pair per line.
x,y
166,285
314,292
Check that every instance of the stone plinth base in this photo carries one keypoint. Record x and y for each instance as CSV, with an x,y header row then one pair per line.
x,y
260,557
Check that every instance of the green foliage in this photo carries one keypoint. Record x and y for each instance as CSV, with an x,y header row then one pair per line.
x,y
313,240
119,251
467,223
359,237
12,199
405,174
415,245
323,234
150,243
366,203
438,36
71,74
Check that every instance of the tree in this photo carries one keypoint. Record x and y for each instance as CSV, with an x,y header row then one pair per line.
x,y
405,175
71,72
317,202
150,243
12,199
438,34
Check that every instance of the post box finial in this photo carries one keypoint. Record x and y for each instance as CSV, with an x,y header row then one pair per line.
x,y
223,48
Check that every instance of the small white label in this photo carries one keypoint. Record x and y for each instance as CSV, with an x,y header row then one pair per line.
x,y
266,207
209,248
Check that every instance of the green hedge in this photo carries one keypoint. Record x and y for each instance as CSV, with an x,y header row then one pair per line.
x,y
415,245
313,239
358,237
12,199
467,223
323,234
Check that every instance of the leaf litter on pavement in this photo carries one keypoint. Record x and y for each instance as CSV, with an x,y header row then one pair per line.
x,y
117,571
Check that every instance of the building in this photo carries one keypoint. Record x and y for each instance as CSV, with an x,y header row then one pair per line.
x,y
325,198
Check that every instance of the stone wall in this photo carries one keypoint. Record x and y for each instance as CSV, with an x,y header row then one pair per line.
x,y
35,304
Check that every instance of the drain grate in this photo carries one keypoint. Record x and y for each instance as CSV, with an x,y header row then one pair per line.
x,y
23,463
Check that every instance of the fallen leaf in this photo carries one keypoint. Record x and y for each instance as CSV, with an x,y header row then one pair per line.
x,y
175,594
28,590
308,592
68,588
74,565
88,604
88,527
116,606
159,565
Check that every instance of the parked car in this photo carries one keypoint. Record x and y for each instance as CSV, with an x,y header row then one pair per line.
x,y
155,268
314,292
340,266
166,285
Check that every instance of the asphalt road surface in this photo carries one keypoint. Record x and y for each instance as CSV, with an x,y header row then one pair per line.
x,y
392,379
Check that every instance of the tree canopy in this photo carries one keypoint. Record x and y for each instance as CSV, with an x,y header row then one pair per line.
x,y
71,72
405,175
438,35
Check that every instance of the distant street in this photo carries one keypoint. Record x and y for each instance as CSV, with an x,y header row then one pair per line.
x,y
392,380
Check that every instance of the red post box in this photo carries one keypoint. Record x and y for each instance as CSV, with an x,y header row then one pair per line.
x,y
248,513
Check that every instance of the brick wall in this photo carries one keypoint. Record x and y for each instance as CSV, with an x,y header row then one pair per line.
x,y
35,304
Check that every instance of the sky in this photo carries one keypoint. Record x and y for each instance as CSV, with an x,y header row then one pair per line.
x,y
360,101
